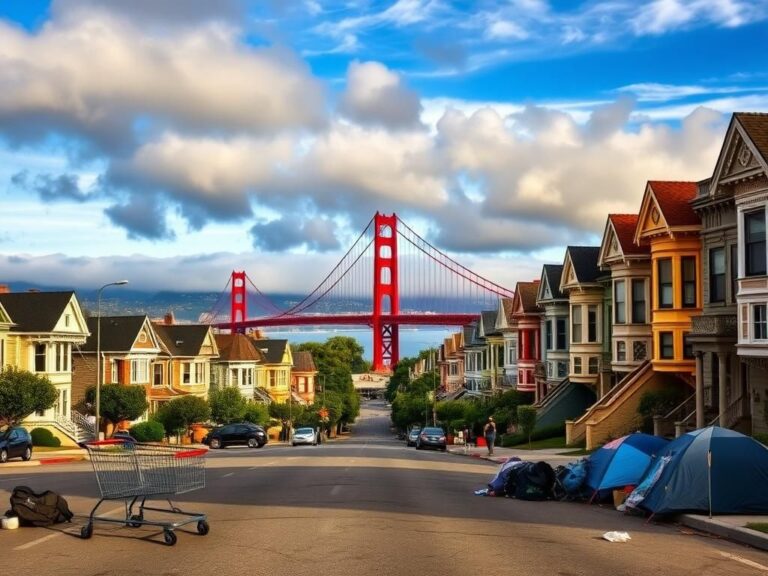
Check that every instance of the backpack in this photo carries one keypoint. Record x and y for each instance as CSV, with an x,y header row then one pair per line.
x,y
42,509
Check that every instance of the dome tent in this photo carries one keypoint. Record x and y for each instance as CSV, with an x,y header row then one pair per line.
x,y
622,462
730,466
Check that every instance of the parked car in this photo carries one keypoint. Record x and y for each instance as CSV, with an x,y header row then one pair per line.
x,y
15,443
431,438
413,434
123,435
245,434
304,436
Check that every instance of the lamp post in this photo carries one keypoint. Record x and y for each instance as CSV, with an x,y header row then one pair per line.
x,y
98,354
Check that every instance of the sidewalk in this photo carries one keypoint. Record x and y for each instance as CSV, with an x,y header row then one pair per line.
x,y
730,527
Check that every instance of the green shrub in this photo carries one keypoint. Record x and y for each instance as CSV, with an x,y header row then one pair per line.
x,y
541,434
526,418
44,437
256,413
150,431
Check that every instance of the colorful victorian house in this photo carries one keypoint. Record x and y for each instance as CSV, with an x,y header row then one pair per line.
x,y
185,361
38,331
474,359
494,342
744,167
554,325
275,378
129,346
668,225
238,364
629,266
451,364
580,280
527,317
504,326
304,376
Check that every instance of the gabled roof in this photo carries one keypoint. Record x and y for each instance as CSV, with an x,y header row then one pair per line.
x,y
550,280
272,350
303,361
118,333
237,348
665,207
35,311
525,297
619,239
755,124
582,262
488,322
182,339
504,313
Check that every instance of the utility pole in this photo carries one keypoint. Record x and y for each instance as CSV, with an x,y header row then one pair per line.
x,y
434,391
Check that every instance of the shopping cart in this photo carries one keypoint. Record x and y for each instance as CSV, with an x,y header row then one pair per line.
x,y
135,472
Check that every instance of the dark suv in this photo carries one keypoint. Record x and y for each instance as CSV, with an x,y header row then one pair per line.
x,y
15,443
245,434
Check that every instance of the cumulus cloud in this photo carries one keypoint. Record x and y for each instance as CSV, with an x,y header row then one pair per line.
x,y
375,95
142,217
315,234
64,187
661,16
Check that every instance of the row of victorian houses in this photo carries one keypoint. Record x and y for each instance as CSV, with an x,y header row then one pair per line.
x,y
674,299
47,333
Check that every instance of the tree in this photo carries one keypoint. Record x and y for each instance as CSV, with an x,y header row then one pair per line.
x,y
227,405
526,418
118,402
177,415
22,393
256,413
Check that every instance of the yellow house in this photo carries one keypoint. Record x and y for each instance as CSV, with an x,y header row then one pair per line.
x,y
275,376
668,224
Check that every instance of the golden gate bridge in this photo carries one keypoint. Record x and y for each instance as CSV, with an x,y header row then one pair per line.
x,y
390,277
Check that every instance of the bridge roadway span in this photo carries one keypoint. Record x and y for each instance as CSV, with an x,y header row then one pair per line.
x,y
353,319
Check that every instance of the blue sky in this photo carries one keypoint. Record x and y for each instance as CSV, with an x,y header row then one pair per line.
x,y
162,139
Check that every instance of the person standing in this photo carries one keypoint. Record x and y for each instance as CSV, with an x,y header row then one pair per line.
x,y
490,434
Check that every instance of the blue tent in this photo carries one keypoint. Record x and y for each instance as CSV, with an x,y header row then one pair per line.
x,y
623,461
733,466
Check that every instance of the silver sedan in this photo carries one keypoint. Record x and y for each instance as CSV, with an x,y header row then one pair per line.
x,y
304,436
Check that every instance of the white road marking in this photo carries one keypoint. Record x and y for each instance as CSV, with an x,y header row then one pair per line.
x,y
38,541
228,475
744,561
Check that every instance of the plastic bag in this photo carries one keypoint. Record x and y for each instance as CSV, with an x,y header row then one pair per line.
x,y
617,536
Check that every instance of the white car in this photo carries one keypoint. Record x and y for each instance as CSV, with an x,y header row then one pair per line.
x,y
304,436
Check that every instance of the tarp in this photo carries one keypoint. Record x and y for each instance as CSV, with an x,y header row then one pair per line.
x,y
496,485
733,466
622,462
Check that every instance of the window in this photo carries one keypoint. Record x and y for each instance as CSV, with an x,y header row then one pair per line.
x,y
500,356
620,301
113,372
199,373
594,365
234,376
40,352
688,270
638,302
511,352
621,351
687,346
139,371
717,275
66,320
186,373
272,379
754,243
639,350
157,375
734,271
248,377
759,322
666,345
550,369
562,369
577,365
548,334
2,355
576,324
665,282
592,324
560,334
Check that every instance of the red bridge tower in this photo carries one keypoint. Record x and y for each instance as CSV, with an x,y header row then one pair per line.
x,y
386,297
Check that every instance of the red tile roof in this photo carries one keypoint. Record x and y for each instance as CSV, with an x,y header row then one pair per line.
x,y
674,200
624,225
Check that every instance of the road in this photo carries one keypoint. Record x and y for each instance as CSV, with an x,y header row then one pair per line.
x,y
363,505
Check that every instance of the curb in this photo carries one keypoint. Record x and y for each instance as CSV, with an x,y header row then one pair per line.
x,y
44,462
725,530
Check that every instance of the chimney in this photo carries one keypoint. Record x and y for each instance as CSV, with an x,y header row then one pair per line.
x,y
4,289
168,319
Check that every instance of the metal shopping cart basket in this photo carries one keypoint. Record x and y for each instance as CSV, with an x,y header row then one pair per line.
x,y
135,472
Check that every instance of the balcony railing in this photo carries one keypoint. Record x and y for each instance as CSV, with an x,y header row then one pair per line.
x,y
714,325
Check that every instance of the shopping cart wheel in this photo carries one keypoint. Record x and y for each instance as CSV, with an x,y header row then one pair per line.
x,y
136,520
86,531
203,528
170,537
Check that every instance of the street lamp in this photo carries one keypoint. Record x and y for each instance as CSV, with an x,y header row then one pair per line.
x,y
98,354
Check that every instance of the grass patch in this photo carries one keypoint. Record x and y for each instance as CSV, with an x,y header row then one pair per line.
x,y
557,442
577,451
759,526
52,448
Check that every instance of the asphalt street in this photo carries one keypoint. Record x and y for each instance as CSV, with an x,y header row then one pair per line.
x,y
362,505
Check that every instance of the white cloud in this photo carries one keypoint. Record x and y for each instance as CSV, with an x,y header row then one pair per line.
x,y
506,30
661,16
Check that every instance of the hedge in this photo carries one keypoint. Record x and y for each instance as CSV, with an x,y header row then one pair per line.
x,y
44,437
544,433
150,431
